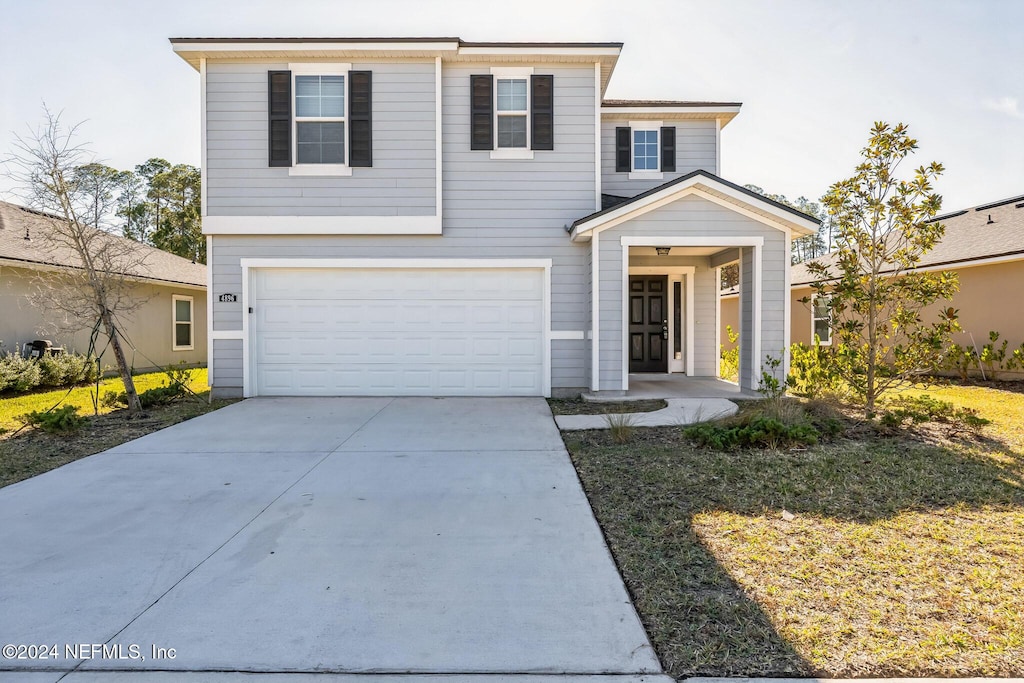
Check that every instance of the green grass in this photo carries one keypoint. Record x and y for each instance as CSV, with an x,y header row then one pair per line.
x,y
13,407
872,556
31,451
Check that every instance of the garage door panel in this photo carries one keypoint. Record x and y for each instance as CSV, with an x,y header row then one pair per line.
x,y
398,331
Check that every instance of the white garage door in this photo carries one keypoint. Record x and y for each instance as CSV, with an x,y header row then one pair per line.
x,y
397,332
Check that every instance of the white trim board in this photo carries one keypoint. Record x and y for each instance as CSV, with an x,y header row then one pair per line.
x,y
249,264
322,225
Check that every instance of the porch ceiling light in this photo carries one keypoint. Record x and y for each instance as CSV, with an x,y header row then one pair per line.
x,y
663,251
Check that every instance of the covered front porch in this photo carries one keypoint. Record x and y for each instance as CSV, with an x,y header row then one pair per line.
x,y
643,386
656,270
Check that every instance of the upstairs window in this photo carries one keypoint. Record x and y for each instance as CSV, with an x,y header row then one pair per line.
x,y
320,119
513,111
645,150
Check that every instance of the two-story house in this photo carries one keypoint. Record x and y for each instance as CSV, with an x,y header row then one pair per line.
x,y
429,216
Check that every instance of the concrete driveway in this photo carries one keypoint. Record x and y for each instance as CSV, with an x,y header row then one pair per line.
x,y
374,536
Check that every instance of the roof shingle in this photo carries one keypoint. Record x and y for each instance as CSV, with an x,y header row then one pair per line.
x,y
17,221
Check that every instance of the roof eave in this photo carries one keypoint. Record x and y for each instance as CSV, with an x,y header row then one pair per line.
x,y
696,181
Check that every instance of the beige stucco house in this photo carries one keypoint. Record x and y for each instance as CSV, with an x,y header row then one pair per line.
x,y
984,245
168,328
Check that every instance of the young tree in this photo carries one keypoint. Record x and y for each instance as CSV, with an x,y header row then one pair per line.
x,y
883,226
61,179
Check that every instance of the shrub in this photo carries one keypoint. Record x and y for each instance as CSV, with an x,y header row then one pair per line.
x,y
61,420
18,374
759,431
813,372
913,410
157,396
993,354
66,369
729,365
961,359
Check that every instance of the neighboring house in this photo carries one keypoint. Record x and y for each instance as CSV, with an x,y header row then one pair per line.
x,y
429,216
983,245
169,327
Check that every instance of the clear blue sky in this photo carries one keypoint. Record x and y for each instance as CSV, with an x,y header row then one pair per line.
x,y
813,74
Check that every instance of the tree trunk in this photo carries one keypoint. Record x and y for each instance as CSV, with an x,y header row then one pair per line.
x,y
134,404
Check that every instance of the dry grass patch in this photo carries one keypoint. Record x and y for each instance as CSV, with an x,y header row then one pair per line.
x,y
874,557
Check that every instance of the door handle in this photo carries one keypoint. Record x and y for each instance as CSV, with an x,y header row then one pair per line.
x,y
664,329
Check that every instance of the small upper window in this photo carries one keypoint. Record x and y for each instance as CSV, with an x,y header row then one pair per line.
x,y
512,111
821,320
320,119
645,150
184,334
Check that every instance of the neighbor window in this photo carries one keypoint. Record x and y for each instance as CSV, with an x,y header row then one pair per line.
x,y
184,334
512,112
821,320
320,119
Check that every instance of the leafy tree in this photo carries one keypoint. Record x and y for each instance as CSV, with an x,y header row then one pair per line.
x,y
811,246
883,226
159,204
60,178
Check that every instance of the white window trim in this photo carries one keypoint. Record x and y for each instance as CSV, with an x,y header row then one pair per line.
x,y
501,72
644,174
175,298
318,69
814,319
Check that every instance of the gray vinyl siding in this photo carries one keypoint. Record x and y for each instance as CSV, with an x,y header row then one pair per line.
x,y
402,181
226,371
691,216
696,149
512,209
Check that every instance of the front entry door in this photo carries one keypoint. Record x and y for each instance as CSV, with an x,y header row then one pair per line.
x,y
648,323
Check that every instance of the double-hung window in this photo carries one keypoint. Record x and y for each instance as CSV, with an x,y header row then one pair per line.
x,y
184,327
320,119
513,113
821,320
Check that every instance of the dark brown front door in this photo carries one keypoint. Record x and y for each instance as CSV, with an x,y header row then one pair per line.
x,y
648,323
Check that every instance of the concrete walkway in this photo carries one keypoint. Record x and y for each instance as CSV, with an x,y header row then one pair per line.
x,y
443,537
680,411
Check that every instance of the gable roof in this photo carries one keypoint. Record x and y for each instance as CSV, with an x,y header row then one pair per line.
x,y
705,183
17,221
969,237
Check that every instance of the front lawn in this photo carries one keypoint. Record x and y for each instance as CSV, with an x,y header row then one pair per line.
x,y
32,451
868,557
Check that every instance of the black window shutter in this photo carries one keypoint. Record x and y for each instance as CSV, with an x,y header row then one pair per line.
x,y
481,111
279,123
360,118
668,148
542,114
623,149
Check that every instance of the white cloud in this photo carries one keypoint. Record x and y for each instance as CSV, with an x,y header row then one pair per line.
x,y
1004,105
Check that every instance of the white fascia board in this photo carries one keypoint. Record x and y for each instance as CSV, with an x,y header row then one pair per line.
x,y
539,51
313,46
322,225
710,112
